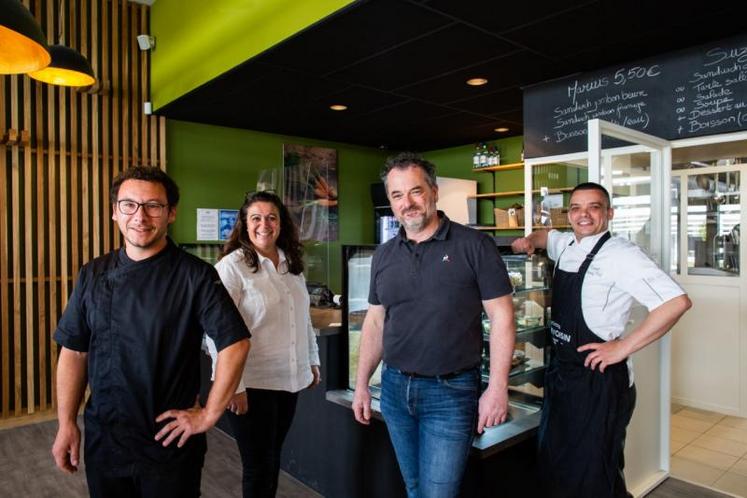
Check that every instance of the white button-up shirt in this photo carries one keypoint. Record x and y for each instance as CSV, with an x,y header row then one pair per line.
x,y
619,274
275,306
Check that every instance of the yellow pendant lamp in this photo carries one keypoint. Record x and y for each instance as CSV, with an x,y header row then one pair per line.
x,y
68,68
23,47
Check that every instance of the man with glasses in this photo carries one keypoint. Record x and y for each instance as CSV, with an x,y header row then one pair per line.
x,y
132,332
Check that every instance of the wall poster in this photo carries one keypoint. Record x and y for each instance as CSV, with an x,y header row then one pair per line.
x,y
227,221
311,190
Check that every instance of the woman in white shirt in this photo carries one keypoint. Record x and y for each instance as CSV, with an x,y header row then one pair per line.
x,y
262,269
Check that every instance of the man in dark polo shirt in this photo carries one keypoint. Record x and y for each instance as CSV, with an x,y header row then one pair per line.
x,y
429,286
132,331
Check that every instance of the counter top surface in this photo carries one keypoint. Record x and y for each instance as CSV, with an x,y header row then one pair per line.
x,y
326,321
523,421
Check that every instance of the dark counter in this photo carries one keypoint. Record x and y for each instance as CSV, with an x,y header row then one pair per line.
x,y
329,451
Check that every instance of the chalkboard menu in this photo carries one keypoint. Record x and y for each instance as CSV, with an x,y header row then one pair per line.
x,y
693,92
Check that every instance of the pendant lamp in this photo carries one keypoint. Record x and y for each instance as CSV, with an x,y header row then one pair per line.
x,y
23,47
68,68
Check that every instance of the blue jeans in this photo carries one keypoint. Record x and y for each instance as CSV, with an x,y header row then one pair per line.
x,y
431,423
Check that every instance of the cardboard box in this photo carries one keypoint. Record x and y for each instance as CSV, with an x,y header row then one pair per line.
x,y
516,217
501,217
512,217
559,216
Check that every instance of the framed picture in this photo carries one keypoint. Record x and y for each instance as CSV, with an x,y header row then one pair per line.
x,y
310,177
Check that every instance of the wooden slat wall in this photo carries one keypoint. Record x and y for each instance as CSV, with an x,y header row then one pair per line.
x,y
51,245
4,290
59,150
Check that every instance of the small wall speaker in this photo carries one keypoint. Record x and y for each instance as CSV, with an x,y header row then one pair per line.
x,y
146,42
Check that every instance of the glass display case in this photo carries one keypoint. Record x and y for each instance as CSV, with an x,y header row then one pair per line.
x,y
356,275
530,276
209,252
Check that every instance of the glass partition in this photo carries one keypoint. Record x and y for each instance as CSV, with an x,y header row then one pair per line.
x,y
357,275
551,187
674,239
631,197
713,215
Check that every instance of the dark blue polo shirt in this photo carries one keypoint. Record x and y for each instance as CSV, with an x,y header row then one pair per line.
x,y
432,293
142,323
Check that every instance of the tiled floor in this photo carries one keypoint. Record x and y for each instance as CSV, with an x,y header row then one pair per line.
x,y
710,449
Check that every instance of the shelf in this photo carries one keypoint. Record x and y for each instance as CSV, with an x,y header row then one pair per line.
x,y
491,195
537,336
496,228
514,193
522,290
530,371
534,335
499,167
521,228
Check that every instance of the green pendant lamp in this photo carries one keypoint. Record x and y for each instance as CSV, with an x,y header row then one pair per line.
x,y
23,47
68,68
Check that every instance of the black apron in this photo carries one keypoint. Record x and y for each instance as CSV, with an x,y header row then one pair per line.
x,y
585,412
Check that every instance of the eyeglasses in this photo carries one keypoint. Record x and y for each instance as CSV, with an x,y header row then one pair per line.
x,y
152,209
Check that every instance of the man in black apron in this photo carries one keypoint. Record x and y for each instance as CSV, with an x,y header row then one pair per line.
x,y
589,394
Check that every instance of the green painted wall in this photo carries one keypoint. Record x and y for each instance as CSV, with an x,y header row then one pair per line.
x,y
197,40
214,166
456,162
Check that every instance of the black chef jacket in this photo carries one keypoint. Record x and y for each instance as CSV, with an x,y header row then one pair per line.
x,y
141,323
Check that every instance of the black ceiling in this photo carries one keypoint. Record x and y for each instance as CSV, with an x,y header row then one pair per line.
x,y
401,65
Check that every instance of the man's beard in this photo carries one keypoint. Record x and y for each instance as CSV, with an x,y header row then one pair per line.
x,y
413,224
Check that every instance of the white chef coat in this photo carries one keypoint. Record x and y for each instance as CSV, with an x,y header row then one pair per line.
x,y
619,274
275,306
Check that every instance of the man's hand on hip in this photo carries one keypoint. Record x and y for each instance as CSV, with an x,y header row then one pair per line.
x,y
66,448
362,405
604,354
185,423
493,408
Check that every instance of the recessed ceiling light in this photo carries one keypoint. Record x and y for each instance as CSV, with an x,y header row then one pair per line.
x,y
338,107
502,129
477,81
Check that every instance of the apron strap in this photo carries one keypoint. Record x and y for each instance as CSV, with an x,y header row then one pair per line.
x,y
589,257
585,265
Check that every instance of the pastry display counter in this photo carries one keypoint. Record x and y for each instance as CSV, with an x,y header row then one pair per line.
x,y
530,277
328,450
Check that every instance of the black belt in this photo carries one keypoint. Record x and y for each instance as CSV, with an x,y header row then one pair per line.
x,y
449,375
